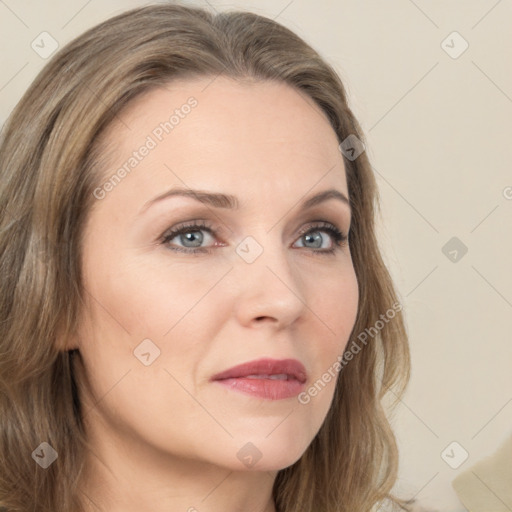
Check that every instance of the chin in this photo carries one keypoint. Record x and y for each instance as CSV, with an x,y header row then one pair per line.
x,y
271,453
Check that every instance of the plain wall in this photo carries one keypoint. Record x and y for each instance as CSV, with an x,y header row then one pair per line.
x,y
438,135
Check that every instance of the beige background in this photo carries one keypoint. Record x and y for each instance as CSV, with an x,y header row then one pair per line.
x,y
439,132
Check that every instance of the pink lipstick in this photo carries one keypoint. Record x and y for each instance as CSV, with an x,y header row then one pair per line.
x,y
271,379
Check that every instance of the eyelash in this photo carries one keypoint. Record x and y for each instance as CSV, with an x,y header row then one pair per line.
x,y
338,236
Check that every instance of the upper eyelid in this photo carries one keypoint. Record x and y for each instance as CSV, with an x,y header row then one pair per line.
x,y
317,214
339,214
198,225
206,224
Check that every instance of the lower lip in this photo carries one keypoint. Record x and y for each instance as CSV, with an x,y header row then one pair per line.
x,y
271,389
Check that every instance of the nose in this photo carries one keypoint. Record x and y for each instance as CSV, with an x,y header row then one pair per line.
x,y
269,288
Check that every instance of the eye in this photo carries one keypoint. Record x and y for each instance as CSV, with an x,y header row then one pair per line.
x,y
191,238
190,235
312,236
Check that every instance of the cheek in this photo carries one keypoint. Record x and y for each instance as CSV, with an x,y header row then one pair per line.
x,y
133,302
334,301
152,300
335,304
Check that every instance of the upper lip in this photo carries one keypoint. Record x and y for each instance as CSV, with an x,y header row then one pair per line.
x,y
291,367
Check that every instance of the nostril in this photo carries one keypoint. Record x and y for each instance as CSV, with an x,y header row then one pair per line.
x,y
261,319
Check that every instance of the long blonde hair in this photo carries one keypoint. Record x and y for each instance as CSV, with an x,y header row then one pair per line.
x,y
50,163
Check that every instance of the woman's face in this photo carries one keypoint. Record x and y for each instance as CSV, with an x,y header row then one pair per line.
x,y
262,278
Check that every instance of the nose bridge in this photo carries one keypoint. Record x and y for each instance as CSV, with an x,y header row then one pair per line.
x,y
269,286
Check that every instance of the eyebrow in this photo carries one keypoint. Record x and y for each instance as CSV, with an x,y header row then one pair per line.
x,y
217,200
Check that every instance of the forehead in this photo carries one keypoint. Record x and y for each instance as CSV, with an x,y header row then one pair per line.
x,y
210,132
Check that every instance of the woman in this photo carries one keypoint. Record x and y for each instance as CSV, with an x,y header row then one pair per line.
x,y
195,312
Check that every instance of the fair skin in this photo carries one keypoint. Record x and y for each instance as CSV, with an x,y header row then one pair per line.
x,y
164,436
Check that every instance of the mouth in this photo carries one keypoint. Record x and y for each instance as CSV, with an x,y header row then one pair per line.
x,y
271,379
